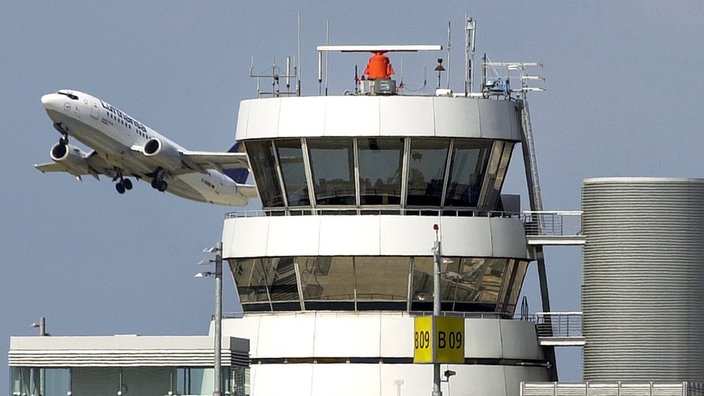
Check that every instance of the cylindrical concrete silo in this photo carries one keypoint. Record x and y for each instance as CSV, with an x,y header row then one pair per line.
x,y
643,278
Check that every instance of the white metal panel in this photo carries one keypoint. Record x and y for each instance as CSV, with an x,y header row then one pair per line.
x,y
246,327
406,116
293,236
347,335
302,117
351,116
247,236
377,116
345,379
397,335
458,237
281,379
409,379
457,117
512,241
359,235
518,340
498,117
286,336
262,118
407,235
242,119
483,338
337,232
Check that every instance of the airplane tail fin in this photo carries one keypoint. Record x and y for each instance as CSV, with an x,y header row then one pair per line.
x,y
239,175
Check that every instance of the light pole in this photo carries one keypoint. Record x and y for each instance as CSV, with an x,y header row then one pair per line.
x,y
217,381
437,258
41,325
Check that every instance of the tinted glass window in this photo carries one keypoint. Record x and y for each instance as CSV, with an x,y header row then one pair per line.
x,y
426,171
332,163
469,159
293,171
380,166
261,157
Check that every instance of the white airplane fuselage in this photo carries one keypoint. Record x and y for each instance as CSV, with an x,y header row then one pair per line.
x,y
120,141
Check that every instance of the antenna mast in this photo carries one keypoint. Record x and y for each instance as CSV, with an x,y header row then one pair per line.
x,y
470,31
449,36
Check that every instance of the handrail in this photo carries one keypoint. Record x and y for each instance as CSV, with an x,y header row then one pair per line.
x,y
445,212
558,324
553,223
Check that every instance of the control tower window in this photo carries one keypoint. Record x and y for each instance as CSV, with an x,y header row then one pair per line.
x,y
332,167
426,173
467,284
293,171
262,159
469,161
327,278
380,166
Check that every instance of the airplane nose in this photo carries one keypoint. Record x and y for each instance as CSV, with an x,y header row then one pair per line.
x,y
51,100
46,99
54,102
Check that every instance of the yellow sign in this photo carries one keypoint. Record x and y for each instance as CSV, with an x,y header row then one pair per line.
x,y
449,336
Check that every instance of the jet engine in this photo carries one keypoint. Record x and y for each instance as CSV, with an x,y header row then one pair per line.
x,y
72,158
163,153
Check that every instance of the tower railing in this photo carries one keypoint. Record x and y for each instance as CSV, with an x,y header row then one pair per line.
x,y
559,328
553,227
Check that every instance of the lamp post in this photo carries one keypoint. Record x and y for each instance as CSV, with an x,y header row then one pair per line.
x,y
217,381
41,325
437,258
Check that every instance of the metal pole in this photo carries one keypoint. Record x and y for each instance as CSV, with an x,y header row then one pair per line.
x,y
436,311
218,321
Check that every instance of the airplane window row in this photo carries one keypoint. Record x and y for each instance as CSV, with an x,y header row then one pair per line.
x,y
129,126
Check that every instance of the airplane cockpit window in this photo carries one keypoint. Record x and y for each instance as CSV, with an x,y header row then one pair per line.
x,y
69,95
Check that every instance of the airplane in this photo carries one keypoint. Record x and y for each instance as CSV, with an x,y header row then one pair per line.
x,y
123,147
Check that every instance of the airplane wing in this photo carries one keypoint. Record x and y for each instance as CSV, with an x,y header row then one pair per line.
x,y
213,160
84,164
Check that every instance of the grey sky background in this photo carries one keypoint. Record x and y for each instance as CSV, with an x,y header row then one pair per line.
x,y
623,82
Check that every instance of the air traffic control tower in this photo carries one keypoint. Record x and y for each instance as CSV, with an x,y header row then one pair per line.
x,y
334,270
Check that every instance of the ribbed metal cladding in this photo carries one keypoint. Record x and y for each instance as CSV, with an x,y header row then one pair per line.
x,y
643,279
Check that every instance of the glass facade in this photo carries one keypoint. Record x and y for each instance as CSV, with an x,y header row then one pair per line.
x,y
388,173
363,282
39,381
26,381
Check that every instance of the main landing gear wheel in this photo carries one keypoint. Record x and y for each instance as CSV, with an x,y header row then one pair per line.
x,y
159,185
123,185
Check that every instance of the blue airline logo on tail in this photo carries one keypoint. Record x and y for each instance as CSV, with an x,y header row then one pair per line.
x,y
239,175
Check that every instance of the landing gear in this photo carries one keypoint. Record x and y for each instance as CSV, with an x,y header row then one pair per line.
x,y
160,185
64,133
158,182
122,184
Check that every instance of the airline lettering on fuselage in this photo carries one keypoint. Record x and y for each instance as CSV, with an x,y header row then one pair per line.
x,y
114,110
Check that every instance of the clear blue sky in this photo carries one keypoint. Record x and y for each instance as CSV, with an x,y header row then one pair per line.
x,y
623,82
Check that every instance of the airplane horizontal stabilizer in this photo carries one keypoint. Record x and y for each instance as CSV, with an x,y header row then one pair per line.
x,y
248,190
220,161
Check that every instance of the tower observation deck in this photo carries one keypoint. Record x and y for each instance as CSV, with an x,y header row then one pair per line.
x,y
334,268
